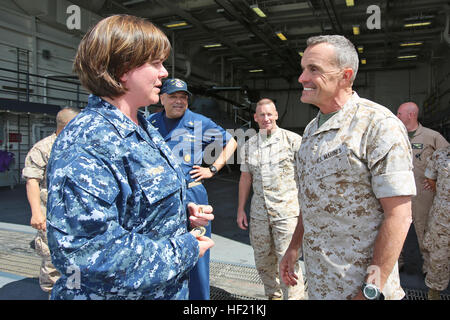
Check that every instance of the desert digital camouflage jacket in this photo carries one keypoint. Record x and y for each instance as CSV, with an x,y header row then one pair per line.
x,y
36,165
272,163
116,214
438,168
361,154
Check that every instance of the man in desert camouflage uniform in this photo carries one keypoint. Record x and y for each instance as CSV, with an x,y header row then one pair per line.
x,y
356,182
268,163
34,172
436,238
424,142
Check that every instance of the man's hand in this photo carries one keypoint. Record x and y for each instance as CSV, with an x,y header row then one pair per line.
x,y
242,219
200,173
287,267
429,184
200,215
38,221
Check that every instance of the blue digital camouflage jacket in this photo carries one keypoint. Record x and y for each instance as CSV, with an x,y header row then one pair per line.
x,y
116,210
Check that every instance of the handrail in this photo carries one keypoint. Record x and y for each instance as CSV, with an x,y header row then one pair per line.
x,y
33,82
39,76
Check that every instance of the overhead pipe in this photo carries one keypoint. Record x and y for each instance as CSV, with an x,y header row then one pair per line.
x,y
445,33
260,34
187,64
338,21
337,27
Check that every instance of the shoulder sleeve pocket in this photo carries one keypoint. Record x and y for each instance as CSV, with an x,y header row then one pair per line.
x,y
94,178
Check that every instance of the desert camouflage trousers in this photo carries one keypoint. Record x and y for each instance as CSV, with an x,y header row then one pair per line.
x,y
421,205
270,241
47,274
436,241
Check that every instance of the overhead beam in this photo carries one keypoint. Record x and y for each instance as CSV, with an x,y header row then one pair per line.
x,y
253,28
213,33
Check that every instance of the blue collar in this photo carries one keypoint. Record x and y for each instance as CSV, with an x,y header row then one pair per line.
x,y
113,115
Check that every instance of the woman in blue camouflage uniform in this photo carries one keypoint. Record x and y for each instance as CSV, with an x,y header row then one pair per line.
x,y
116,207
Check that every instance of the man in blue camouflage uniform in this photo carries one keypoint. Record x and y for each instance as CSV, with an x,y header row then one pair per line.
x,y
116,206
188,134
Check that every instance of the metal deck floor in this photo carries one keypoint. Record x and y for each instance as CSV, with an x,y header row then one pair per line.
x,y
232,271
229,281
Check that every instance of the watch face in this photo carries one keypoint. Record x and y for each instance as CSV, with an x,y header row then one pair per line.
x,y
213,169
370,292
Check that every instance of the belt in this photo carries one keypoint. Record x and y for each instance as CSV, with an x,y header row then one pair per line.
x,y
194,183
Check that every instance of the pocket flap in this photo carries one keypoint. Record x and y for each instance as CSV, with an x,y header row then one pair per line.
x,y
158,184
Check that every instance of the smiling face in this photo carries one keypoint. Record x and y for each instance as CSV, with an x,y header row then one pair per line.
x,y
175,104
144,83
321,76
266,116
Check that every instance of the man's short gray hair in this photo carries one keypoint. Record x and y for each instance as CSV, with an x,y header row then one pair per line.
x,y
346,55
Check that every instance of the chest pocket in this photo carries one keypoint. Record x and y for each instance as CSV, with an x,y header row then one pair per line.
x,y
332,163
282,163
280,157
158,182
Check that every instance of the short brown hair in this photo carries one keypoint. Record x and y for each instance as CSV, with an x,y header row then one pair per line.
x,y
114,46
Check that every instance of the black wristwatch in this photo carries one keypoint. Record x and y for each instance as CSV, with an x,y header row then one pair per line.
x,y
213,169
371,292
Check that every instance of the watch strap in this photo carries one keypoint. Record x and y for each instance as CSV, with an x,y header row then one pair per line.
x,y
213,169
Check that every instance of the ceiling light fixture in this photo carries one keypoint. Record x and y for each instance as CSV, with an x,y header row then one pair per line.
x,y
413,56
409,44
281,35
360,49
176,24
355,30
300,53
212,45
417,24
258,11
256,70
363,61
350,3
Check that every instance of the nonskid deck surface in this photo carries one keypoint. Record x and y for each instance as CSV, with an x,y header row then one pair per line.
x,y
232,270
19,272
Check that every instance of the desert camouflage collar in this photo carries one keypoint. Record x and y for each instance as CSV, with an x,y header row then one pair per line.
x,y
265,139
338,119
